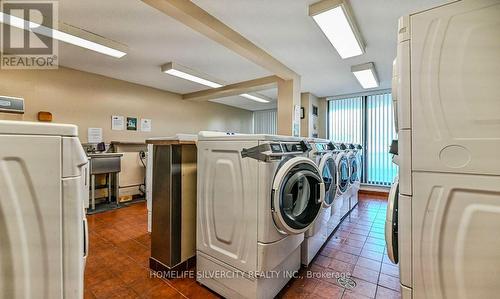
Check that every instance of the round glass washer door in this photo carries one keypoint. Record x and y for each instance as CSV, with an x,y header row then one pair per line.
x,y
359,159
342,173
328,169
353,169
297,195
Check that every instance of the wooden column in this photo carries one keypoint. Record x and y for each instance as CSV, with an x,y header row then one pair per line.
x,y
288,99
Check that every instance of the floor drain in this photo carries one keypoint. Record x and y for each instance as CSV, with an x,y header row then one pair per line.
x,y
346,282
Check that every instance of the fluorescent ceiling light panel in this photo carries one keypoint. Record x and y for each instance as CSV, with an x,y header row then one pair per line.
x,y
192,78
366,75
254,98
61,36
335,20
185,73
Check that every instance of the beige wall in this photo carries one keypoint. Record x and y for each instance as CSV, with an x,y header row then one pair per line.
x,y
304,122
288,97
322,115
89,100
311,124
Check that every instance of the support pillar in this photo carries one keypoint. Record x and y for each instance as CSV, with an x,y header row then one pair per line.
x,y
289,107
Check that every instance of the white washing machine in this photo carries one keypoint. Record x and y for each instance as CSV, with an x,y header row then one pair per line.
x,y
44,188
322,153
340,207
444,214
354,156
257,195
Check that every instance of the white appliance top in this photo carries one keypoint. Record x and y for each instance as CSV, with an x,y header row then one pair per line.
x,y
212,135
317,140
37,128
178,137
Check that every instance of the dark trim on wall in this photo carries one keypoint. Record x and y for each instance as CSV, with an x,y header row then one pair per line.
x,y
381,194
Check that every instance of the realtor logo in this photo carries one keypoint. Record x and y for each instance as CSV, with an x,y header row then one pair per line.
x,y
27,28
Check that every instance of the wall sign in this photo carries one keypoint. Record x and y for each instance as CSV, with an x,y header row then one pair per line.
x,y
315,110
296,121
94,135
117,123
132,123
145,125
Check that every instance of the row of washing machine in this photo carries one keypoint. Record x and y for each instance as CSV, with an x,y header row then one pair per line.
x,y
266,204
340,168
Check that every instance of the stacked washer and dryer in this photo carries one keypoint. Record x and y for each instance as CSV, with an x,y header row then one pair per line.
x,y
443,216
257,195
44,190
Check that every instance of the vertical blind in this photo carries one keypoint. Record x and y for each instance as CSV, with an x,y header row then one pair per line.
x,y
366,120
379,134
265,122
346,123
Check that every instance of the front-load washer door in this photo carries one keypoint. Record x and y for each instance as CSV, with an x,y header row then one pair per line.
x,y
353,169
297,195
391,223
342,173
359,170
328,170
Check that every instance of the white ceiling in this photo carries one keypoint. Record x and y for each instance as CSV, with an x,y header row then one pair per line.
x,y
284,29
153,39
281,27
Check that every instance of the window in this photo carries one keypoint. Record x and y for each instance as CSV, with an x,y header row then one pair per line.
x,y
345,120
264,122
379,134
366,120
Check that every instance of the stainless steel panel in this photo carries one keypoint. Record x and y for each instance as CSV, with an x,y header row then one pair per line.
x,y
166,205
105,165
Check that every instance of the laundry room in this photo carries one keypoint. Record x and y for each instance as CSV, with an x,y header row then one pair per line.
x,y
249,149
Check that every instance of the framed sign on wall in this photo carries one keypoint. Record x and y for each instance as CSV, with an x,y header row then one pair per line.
x,y
132,123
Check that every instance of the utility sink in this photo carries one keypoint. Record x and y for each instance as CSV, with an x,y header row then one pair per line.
x,y
105,163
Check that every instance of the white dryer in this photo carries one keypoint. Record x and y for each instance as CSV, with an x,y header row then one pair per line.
x,y
257,195
443,217
322,153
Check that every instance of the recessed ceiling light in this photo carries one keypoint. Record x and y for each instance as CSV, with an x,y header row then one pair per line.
x,y
334,18
59,35
254,98
183,72
366,75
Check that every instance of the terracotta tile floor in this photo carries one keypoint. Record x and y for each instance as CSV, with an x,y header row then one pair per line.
x,y
358,249
117,265
118,260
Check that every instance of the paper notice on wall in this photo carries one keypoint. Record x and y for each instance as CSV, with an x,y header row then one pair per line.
x,y
296,120
117,123
296,113
145,125
94,135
